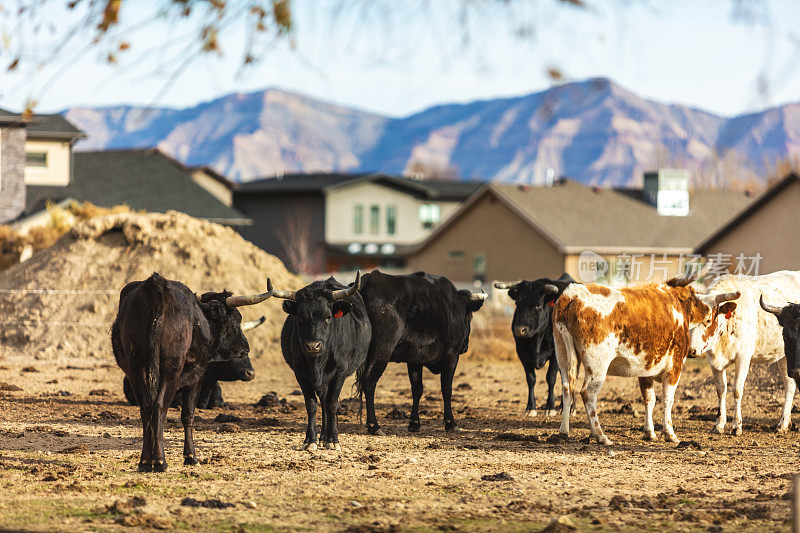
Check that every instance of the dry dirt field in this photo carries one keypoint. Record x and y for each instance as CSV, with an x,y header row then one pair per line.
x,y
69,448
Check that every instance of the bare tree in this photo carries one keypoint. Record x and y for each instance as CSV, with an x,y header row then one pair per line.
x,y
302,253
419,169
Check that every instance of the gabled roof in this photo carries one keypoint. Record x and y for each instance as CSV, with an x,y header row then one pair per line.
x,y
213,174
141,179
44,126
575,218
745,213
320,182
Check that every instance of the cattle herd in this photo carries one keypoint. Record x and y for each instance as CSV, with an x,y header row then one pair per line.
x,y
175,346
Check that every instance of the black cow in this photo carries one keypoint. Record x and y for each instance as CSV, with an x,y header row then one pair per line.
x,y
532,327
324,339
418,319
210,392
164,338
789,319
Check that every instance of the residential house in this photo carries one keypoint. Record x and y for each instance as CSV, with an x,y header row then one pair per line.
x,y
33,151
510,232
335,221
765,229
146,180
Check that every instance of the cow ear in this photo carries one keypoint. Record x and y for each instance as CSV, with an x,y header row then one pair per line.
x,y
340,308
290,307
513,293
727,309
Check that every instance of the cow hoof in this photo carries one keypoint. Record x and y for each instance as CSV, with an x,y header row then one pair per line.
x,y
650,436
145,466
720,430
530,412
781,429
190,460
310,446
453,429
375,430
551,412
670,437
737,431
414,427
605,441
332,446
159,466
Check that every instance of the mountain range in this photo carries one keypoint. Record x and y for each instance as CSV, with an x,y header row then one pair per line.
x,y
594,131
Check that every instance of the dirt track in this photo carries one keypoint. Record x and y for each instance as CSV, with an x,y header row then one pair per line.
x,y
67,457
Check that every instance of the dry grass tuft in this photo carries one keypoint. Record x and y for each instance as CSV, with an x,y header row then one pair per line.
x,y
491,338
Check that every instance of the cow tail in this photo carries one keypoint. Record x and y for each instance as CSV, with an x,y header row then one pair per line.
x,y
358,387
152,369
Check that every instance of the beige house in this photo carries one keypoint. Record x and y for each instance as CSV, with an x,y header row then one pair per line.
x,y
48,150
610,236
346,221
766,228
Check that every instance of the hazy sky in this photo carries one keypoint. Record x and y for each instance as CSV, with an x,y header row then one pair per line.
x,y
685,51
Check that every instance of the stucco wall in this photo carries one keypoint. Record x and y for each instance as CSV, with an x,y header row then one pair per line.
x,y
642,267
339,214
12,173
58,169
771,231
512,248
218,190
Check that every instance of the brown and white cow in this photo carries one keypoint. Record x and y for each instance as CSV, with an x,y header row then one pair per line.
x,y
750,335
638,332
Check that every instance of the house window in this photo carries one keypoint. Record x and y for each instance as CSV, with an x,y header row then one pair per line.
x,y
391,219
374,219
455,255
429,215
479,267
358,219
36,159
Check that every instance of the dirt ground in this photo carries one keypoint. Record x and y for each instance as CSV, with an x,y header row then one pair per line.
x,y
69,448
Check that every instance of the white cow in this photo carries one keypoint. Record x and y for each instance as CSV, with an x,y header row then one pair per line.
x,y
748,335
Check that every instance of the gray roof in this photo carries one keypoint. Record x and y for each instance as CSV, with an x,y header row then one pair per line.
x,y
575,217
44,126
141,179
320,182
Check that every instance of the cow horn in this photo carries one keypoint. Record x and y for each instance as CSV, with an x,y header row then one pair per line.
x,y
344,293
550,288
775,310
506,284
253,323
713,300
478,296
238,301
286,295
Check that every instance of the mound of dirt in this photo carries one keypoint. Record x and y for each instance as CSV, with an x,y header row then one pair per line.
x,y
60,303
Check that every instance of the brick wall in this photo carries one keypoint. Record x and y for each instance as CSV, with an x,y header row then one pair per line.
x,y
12,172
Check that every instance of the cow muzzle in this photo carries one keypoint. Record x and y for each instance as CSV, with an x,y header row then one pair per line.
x,y
312,347
248,375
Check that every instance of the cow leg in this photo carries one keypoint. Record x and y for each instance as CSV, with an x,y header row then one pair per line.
x,y
649,399
789,387
552,376
148,435
567,365
591,388
415,377
721,382
310,396
530,377
370,380
331,437
188,404
447,394
741,370
669,397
